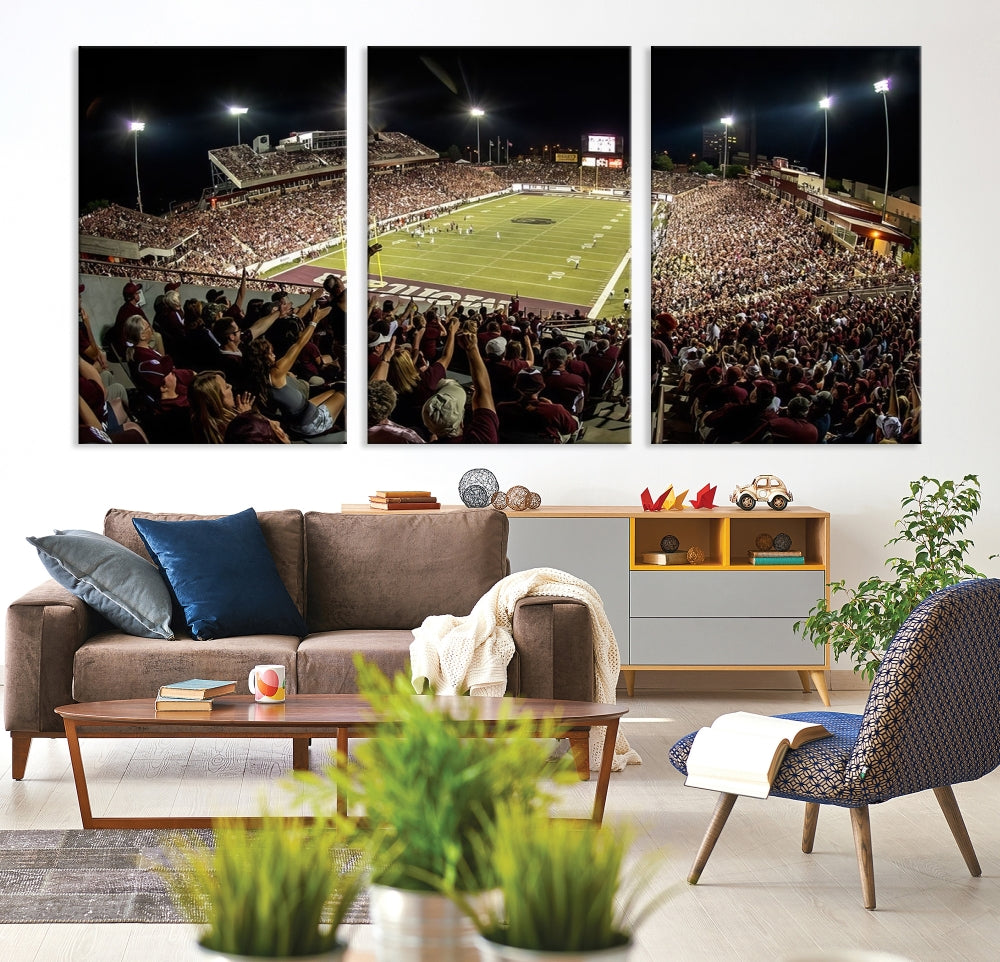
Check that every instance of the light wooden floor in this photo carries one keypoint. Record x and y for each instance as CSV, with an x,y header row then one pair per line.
x,y
760,898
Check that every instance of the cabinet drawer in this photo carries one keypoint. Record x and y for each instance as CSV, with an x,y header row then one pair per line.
x,y
720,641
708,594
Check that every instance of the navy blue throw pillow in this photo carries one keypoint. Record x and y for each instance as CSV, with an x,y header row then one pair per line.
x,y
223,576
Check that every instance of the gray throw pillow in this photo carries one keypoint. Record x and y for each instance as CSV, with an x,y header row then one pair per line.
x,y
123,586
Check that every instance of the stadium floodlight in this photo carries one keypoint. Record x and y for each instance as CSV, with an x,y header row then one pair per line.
x,y
135,126
238,112
725,121
882,87
825,105
478,113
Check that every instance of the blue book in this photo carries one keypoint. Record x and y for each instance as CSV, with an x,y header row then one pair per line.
x,y
197,688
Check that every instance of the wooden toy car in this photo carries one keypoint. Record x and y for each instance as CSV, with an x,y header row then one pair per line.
x,y
765,487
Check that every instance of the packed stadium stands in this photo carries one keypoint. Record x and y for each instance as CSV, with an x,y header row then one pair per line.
x,y
753,306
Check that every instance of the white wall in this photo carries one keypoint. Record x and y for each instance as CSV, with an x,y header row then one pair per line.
x,y
51,482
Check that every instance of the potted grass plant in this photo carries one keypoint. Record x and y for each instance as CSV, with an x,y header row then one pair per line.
x,y
565,894
273,892
935,517
430,787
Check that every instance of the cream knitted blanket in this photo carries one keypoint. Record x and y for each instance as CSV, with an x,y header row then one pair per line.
x,y
470,654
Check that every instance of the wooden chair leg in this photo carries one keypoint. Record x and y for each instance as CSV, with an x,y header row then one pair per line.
x,y
722,809
809,826
861,825
949,805
20,745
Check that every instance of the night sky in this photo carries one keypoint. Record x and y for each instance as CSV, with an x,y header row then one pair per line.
x,y
183,94
782,86
532,96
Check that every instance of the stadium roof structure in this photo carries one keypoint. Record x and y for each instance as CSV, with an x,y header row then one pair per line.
x,y
243,168
859,218
390,148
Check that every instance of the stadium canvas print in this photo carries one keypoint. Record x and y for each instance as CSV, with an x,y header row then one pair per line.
x,y
499,207
786,245
212,190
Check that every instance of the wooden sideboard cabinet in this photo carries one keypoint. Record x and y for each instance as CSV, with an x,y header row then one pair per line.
x,y
722,613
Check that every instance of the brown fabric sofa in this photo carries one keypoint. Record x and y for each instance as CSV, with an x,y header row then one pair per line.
x,y
361,582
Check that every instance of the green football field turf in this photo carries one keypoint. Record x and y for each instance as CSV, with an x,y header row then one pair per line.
x,y
537,261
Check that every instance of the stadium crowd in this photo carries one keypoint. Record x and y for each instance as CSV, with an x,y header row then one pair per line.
x,y
253,369
779,333
529,382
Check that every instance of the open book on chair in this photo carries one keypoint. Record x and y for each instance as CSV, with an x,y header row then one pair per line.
x,y
742,751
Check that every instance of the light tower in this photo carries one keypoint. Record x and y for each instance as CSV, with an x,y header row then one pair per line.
x,y
478,113
135,126
726,121
238,112
882,87
825,104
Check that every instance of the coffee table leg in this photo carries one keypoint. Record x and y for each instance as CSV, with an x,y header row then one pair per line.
x,y
79,775
342,734
604,775
300,754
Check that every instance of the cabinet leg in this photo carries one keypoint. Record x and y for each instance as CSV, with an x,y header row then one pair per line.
x,y
819,680
629,682
804,678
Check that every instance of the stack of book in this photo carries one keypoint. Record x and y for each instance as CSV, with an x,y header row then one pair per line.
x,y
776,557
195,694
403,501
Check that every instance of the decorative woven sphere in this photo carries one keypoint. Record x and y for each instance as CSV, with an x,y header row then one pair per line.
x,y
695,555
763,542
500,500
669,543
534,500
782,542
518,497
477,487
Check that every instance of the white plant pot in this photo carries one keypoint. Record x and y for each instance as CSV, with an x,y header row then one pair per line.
x,y
419,927
495,952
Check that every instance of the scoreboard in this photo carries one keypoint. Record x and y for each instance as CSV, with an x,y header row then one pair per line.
x,y
602,150
601,144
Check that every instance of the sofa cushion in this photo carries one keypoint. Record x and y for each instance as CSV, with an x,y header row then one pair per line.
x,y
222,574
123,586
112,665
324,663
282,532
392,571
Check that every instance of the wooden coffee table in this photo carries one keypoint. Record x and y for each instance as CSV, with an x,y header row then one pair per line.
x,y
301,718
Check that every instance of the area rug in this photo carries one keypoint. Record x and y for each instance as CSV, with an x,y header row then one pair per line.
x,y
98,875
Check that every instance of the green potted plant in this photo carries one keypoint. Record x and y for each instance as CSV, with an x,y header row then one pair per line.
x,y
270,892
430,787
564,891
936,514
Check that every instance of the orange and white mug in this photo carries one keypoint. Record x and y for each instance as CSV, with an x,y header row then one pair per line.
x,y
267,683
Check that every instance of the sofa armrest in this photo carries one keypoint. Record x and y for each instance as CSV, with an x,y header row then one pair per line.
x,y
44,629
554,640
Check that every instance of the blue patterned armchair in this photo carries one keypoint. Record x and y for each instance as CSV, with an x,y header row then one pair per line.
x,y
932,720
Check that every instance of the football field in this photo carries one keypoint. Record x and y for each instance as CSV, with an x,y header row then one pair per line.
x,y
554,252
